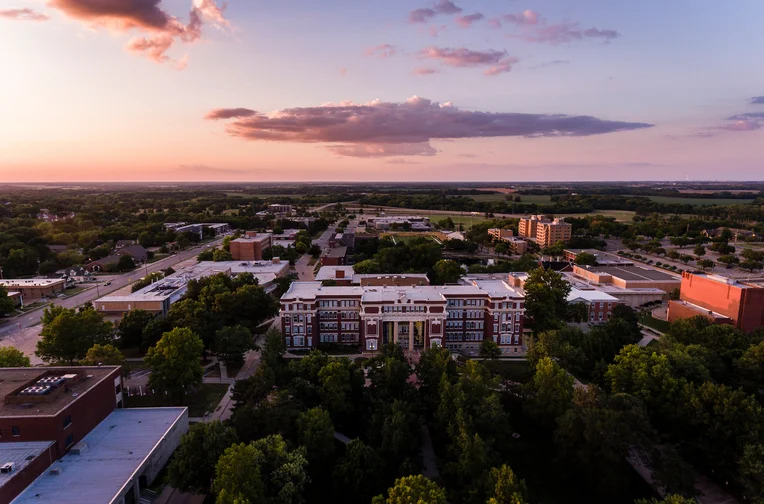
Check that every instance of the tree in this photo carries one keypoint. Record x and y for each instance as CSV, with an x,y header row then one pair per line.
x,y
413,490
586,259
358,473
752,472
315,431
103,354
546,294
67,334
599,432
699,251
232,342
505,487
489,349
174,362
728,260
12,357
550,392
673,254
221,255
263,471
447,271
130,328
685,258
669,499
435,365
125,263
751,265
6,303
193,464
752,255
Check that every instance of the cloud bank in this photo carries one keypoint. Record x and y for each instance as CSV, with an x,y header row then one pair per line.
x,y
426,14
22,15
497,61
757,100
159,29
380,129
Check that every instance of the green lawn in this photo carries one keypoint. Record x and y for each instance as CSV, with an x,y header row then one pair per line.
x,y
205,400
489,197
534,198
620,215
654,323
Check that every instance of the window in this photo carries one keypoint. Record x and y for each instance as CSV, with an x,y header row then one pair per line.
x,y
69,440
117,389
288,341
67,421
15,431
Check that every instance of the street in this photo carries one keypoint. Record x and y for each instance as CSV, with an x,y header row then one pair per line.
x,y
303,267
23,331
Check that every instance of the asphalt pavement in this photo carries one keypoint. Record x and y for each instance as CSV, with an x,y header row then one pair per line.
x,y
15,327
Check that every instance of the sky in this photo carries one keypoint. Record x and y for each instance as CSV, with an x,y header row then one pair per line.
x,y
394,90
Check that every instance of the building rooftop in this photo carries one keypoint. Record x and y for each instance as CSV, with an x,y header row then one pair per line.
x,y
330,273
31,282
113,451
14,380
634,273
335,252
258,238
752,283
20,454
590,295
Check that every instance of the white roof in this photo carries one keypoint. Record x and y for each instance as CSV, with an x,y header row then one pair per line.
x,y
116,448
30,282
330,273
21,454
591,296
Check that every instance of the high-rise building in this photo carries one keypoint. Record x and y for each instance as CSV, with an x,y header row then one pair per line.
x,y
543,231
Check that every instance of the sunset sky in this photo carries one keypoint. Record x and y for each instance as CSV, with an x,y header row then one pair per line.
x,y
358,90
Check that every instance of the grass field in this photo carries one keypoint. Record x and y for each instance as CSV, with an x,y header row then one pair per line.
x,y
408,238
466,220
525,198
204,400
671,200
488,197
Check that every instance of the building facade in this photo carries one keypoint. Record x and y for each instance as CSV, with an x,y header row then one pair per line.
x,y
35,289
723,300
250,247
458,317
543,231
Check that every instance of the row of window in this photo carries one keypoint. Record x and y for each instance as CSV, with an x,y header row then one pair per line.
x,y
297,306
506,317
466,302
404,309
342,303
299,341
332,315
508,340
507,328
457,314
298,318
298,330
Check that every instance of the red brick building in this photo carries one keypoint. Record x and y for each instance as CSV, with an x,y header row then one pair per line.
x,y
60,404
250,247
458,317
723,300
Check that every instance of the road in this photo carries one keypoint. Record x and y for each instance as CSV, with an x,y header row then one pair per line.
x,y
20,328
302,266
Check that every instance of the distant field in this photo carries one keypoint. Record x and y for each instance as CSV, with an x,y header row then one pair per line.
x,y
261,196
620,215
535,198
488,197
466,220
408,238
699,201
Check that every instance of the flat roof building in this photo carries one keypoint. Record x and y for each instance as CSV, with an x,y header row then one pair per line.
x,y
603,258
333,256
628,277
23,462
58,404
114,462
160,295
543,231
404,222
723,300
250,247
457,317
344,275
35,289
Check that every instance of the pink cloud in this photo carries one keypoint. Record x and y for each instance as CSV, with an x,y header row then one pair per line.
x,y
424,71
160,29
435,30
462,57
494,23
564,33
229,113
527,17
378,129
343,71
742,125
426,14
23,15
467,21
381,51
497,61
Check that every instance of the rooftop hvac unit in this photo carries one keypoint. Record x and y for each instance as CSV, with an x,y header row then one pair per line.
x,y
79,448
6,468
55,471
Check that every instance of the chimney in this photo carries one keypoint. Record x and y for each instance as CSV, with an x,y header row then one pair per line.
x,y
340,273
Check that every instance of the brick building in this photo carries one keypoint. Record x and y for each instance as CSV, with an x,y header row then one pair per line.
x,y
458,317
543,231
629,277
251,246
723,300
599,305
516,245
35,289
333,256
59,404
